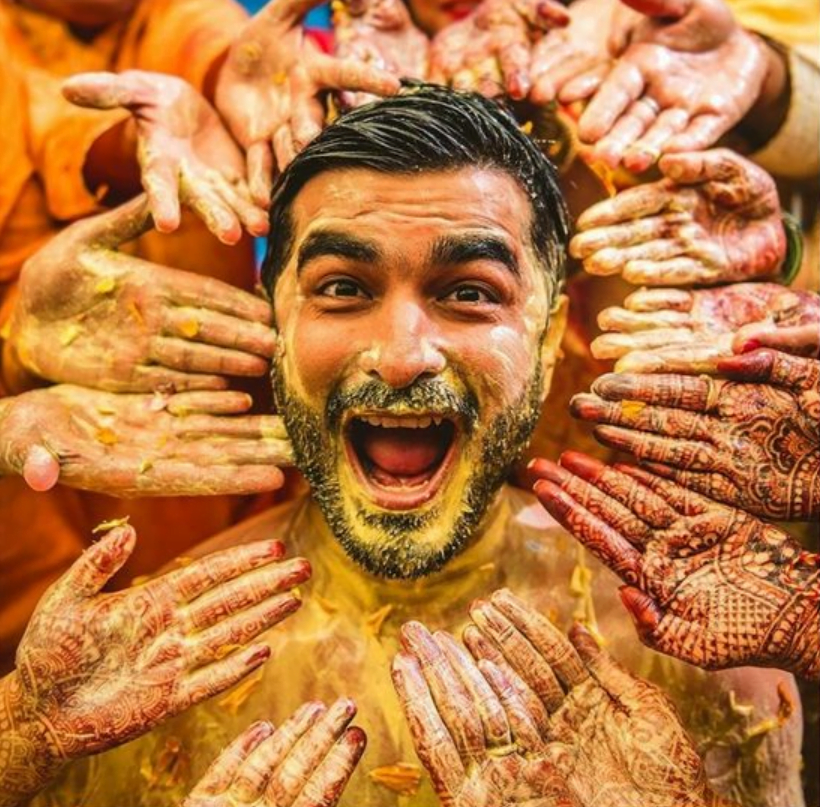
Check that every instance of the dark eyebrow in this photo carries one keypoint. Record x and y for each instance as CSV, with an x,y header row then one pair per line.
x,y
332,242
455,249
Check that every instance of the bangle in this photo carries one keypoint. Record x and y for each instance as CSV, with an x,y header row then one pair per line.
x,y
794,249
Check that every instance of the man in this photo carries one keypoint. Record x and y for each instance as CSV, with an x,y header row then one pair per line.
x,y
414,266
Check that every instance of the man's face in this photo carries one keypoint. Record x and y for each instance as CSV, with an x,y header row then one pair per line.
x,y
411,317
434,15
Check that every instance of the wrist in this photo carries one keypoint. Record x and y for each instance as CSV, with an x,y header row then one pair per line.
x,y
768,113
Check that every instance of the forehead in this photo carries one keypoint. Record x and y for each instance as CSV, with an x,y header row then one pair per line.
x,y
393,207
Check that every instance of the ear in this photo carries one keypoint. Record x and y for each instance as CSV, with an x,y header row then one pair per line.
x,y
551,345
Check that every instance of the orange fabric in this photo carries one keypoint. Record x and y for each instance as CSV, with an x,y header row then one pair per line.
x,y
45,143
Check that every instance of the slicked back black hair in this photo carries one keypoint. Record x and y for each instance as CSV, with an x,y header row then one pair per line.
x,y
427,128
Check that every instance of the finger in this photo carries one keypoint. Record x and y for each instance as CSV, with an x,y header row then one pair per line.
x,y
234,596
619,683
434,745
174,478
624,234
231,633
250,427
544,15
330,73
259,160
481,649
452,700
551,643
160,179
237,198
190,406
221,773
98,564
283,147
103,90
698,167
149,378
803,340
615,345
192,357
625,321
524,729
253,778
490,710
772,367
683,454
211,452
188,289
563,69
221,330
514,61
680,271
622,86
717,486
604,507
220,567
641,501
644,417
585,84
605,543
610,261
624,207
684,501
198,192
702,132
325,786
659,300
520,654
205,682
644,152
41,469
629,127
676,391
691,359
308,752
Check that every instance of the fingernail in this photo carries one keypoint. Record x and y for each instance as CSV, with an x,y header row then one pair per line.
x,y
749,345
258,656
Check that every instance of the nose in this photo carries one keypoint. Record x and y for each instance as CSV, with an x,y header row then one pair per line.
x,y
404,348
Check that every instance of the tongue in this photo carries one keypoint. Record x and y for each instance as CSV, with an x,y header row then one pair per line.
x,y
403,452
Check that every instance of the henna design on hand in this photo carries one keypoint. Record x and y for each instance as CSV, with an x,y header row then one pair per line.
x,y
96,670
752,443
306,762
706,583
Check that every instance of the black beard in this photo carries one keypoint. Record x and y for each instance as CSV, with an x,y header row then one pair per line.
x,y
398,557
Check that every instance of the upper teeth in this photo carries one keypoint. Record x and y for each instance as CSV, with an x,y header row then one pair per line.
x,y
403,422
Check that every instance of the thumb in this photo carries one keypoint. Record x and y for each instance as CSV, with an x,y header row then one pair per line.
x,y
41,469
642,608
99,563
108,90
114,227
616,680
697,167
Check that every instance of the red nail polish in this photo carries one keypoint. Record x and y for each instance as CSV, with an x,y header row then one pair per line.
x,y
749,345
262,654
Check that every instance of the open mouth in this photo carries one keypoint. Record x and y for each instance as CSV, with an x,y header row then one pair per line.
x,y
401,460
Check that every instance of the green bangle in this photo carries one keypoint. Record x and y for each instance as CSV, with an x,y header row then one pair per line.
x,y
794,249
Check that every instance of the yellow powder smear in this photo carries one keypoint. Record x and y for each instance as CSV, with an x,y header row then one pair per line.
x,y
373,623
328,606
189,329
69,334
240,693
631,409
104,285
105,526
279,78
107,437
135,313
402,778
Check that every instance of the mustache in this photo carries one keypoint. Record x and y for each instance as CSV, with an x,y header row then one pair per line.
x,y
422,396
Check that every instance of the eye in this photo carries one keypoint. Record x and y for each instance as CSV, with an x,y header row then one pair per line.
x,y
471,293
342,288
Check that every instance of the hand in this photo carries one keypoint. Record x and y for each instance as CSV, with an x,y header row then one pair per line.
x,y
490,50
566,55
706,583
188,444
470,729
715,218
616,740
306,762
677,331
752,442
688,74
257,96
185,152
380,33
90,315
96,670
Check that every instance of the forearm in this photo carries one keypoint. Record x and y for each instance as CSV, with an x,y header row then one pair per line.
x,y
26,766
